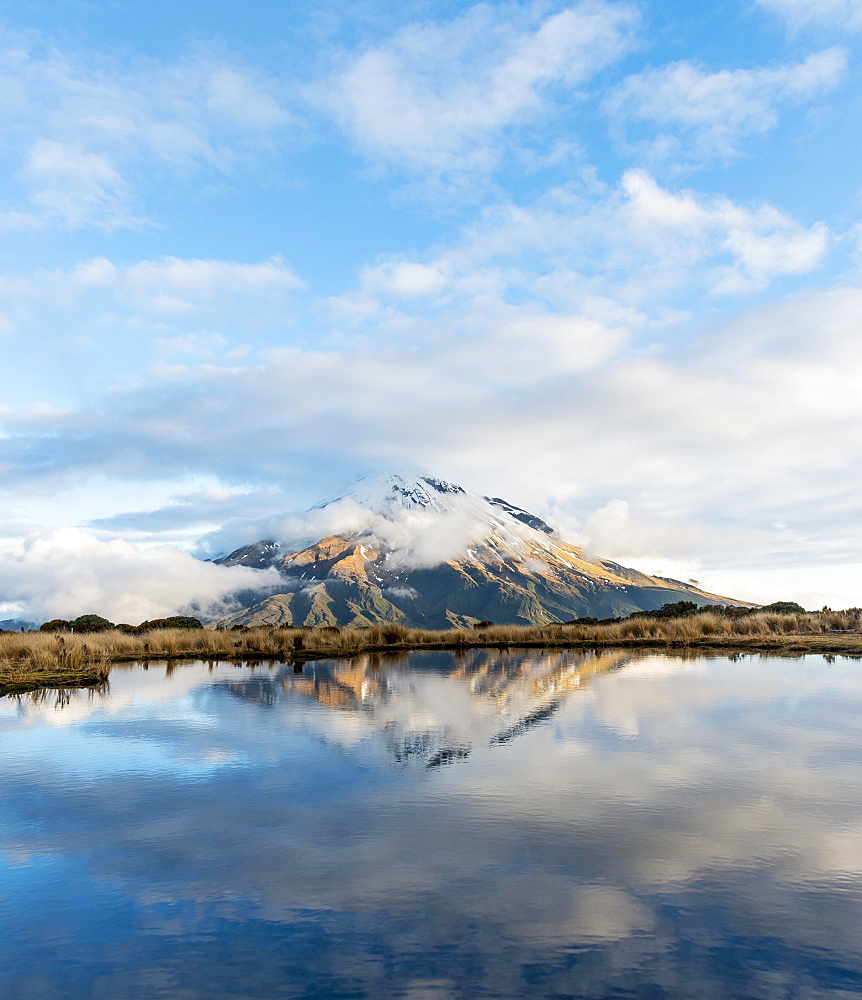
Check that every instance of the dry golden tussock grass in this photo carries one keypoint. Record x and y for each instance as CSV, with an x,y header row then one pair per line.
x,y
38,659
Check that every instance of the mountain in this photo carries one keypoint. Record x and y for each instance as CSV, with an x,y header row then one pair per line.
x,y
427,553
16,624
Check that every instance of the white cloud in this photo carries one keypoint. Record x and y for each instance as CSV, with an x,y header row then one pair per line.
x,y
760,243
737,451
234,94
612,532
161,291
701,115
82,128
811,584
614,258
757,421
534,338
75,187
405,278
435,97
210,346
527,348
69,572
414,538
809,13
175,284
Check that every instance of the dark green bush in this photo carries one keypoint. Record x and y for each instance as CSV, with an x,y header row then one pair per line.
x,y
784,608
175,621
91,623
676,609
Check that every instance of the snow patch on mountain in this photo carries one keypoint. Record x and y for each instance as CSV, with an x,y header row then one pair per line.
x,y
385,494
418,522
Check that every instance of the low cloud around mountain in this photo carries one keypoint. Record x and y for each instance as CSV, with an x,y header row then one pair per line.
x,y
68,572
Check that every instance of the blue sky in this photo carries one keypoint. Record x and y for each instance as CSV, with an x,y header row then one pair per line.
x,y
601,259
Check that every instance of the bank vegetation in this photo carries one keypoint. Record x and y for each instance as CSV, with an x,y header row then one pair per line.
x,y
30,660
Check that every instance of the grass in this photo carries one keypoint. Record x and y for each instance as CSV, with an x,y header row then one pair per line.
x,y
32,660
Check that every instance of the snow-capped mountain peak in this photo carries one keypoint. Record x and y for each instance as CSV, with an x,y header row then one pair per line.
x,y
391,494
394,497
387,493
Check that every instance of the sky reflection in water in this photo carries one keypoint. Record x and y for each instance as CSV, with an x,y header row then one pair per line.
x,y
530,825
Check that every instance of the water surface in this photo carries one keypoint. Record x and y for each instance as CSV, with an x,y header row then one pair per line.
x,y
433,826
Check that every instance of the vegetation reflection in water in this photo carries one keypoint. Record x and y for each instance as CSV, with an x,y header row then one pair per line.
x,y
433,825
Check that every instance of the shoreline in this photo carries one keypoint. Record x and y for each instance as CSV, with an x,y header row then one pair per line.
x,y
32,661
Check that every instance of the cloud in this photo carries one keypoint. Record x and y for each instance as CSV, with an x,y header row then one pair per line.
x,y
614,533
75,186
760,243
702,115
531,297
763,373
174,302
801,14
528,348
151,284
195,511
436,97
615,256
173,284
531,342
543,352
751,427
85,130
241,98
404,278
69,572
413,539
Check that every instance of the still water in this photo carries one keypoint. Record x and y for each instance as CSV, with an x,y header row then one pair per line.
x,y
521,825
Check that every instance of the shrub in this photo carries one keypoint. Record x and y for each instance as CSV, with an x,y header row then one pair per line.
x,y
784,608
175,621
676,609
56,625
91,623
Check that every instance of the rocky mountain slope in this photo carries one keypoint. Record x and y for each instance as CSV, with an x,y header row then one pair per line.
x,y
496,562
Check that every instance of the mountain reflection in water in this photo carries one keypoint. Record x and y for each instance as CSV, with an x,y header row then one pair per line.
x,y
506,825
431,709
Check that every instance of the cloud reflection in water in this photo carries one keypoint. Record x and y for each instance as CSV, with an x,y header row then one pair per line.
x,y
488,825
